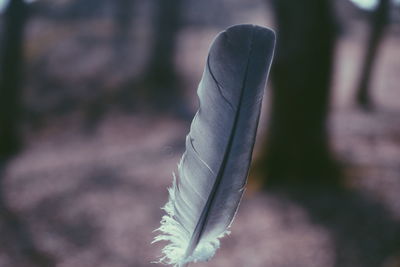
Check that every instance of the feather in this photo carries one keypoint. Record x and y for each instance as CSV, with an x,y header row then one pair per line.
x,y
213,170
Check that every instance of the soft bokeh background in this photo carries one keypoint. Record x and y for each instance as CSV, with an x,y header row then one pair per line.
x,y
94,119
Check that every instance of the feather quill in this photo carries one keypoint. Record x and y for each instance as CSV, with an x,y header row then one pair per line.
x,y
213,170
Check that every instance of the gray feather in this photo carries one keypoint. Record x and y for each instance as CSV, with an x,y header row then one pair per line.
x,y
213,170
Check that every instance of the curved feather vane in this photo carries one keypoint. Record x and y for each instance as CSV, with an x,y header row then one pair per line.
x,y
213,170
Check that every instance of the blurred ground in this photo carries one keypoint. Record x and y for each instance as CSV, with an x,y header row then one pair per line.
x,y
93,199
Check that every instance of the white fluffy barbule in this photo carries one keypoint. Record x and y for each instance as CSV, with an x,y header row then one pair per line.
x,y
179,238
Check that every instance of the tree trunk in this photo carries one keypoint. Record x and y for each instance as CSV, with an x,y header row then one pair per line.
x,y
11,63
377,27
20,243
297,148
161,83
124,10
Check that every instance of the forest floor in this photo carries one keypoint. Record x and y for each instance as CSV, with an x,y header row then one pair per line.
x,y
93,199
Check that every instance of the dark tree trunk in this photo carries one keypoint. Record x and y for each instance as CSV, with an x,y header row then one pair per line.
x,y
123,22
97,107
297,148
11,63
377,26
19,242
161,85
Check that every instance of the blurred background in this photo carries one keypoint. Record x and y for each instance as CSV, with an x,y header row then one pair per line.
x,y
96,97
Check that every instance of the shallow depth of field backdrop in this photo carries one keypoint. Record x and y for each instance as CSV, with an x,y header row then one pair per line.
x,y
96,97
